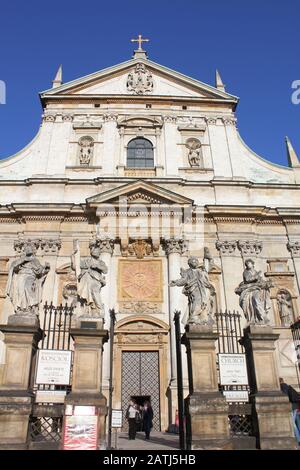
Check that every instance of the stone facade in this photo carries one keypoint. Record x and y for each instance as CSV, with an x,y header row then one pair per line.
x,y
206,188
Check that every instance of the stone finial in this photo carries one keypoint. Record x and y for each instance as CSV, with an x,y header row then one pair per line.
x,y
292,156
58,78
219,82
226,246
250,247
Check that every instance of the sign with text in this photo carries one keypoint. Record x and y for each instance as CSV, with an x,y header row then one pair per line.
x,y
236,395
116,418
53,367
80,432
50,396
233,369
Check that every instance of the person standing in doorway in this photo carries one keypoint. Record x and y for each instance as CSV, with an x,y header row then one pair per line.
x,y
147,419
132,416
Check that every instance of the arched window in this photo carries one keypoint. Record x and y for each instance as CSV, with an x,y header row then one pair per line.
x,y
140,153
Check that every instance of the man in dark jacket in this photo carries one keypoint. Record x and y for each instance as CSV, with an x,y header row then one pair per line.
x,y
147,419
293,395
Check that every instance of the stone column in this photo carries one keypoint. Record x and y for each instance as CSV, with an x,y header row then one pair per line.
x,y
21,337
174,248
206,406
272,407
107,248
89,337
171,138
111,141
294,249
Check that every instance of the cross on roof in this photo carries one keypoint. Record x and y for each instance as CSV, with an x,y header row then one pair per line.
x,y
140,40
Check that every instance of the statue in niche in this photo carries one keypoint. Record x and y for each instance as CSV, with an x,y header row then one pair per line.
x,y
25,281
254,294
86,147
199,291
285,308
90,280
195,154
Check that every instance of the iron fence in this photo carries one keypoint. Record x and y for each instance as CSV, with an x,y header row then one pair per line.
x,y
45,425
240,414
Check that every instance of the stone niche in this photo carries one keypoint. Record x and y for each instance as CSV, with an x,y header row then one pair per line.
x,y
284,293
67,286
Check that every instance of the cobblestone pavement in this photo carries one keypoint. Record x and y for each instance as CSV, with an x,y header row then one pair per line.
x,y
158,441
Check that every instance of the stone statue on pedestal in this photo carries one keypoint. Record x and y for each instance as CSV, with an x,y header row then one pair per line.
x,y
90,280
25,281
199,291
254,294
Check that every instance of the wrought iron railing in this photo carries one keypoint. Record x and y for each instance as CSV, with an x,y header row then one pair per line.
x,y
240,417
45,425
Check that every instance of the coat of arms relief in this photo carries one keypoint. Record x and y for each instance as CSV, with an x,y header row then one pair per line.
x,y
140,81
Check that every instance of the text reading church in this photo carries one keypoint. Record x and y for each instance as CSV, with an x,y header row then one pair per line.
x,y
139,195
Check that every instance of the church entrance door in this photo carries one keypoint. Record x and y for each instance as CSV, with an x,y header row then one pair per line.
x,y
140,380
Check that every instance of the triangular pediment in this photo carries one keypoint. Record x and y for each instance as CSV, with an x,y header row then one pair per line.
x,y
139,192
114,81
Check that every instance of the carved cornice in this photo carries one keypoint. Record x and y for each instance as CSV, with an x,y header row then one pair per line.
x,y
10,220
175,245
75,219
294,248
226,246
250,247
37,218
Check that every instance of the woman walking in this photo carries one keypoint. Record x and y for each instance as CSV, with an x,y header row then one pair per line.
x,y
147,419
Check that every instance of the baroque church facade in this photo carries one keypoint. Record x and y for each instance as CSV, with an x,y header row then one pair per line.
x,y
148,164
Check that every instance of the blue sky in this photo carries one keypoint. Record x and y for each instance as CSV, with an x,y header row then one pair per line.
x,y
254,44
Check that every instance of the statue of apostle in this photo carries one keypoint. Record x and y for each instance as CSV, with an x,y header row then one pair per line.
x,y
254,294
199,291
90,280
25,281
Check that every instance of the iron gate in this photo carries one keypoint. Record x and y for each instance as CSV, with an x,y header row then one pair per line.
x,y
240,416
45,425
140,378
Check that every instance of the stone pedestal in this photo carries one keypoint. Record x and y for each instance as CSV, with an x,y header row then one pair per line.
x,y
21,337
208,410
89,337
272,407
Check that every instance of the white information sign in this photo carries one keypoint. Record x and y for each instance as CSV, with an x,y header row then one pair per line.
x,y
233,369
116,418
53,367
236,395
